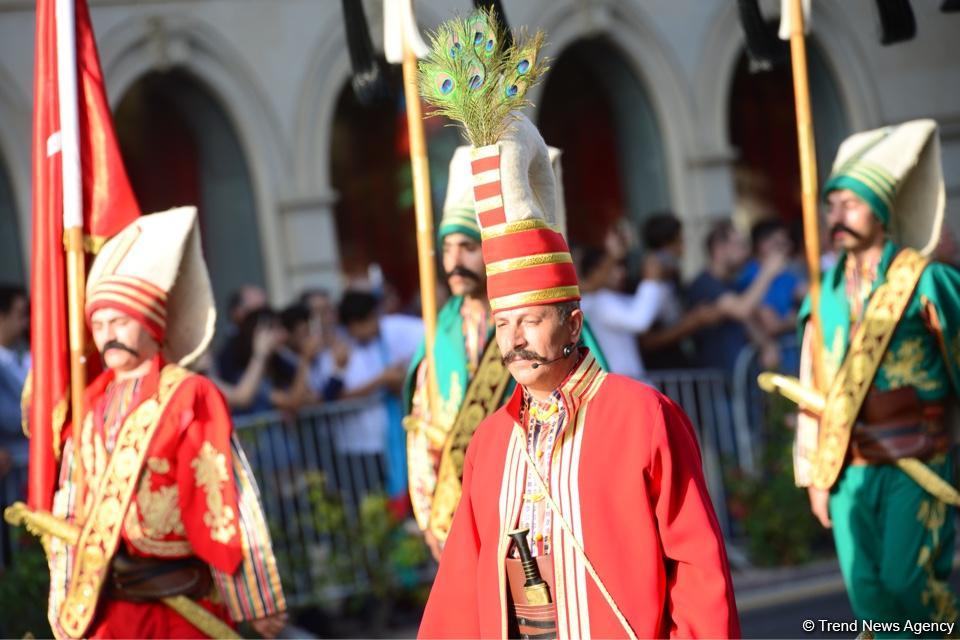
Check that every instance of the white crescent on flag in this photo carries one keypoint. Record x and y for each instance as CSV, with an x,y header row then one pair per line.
x,y
399,30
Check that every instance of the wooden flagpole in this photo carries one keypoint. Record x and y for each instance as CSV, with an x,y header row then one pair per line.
x,y
808,175
72,198
423,206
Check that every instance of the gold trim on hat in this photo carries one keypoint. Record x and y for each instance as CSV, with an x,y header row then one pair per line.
x,y
514,264
516,226
528,298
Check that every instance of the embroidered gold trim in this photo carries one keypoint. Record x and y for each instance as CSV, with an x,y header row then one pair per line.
x,y
904,366
527,298
101,531
160,512
483,397
513,264
867,348
210,472
141,542
516,226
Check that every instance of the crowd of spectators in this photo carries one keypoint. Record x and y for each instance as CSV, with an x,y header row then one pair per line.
x,y
748,293
318,349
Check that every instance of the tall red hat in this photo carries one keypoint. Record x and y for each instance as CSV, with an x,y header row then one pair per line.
x,y
477,75
519,204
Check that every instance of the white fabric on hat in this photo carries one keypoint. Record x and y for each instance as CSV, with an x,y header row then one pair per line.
x,y
910,154
164,249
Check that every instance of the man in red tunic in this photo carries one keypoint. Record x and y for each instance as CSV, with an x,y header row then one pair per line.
x,y
598,476
163,505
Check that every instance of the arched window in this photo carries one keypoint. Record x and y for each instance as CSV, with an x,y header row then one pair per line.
x,y
180,148
371,174
596,110
763,128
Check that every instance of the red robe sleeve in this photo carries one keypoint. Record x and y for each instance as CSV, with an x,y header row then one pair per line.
x,y
699,589
451,610
208,495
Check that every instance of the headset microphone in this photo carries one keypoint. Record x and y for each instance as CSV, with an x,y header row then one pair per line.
x,y
567,350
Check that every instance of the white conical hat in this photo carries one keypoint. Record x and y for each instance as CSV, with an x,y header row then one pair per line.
x,y
154,270
897,171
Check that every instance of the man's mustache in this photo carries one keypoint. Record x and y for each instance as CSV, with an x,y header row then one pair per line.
x,y
837,228
116,344
522,354
463,272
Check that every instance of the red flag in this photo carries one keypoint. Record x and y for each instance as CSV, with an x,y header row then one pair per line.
x,y
107,205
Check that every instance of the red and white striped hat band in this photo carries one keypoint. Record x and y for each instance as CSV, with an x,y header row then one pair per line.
x,y
527,261
134,296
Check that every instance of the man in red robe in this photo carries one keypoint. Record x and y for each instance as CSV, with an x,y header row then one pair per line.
x,y
598,477
170,538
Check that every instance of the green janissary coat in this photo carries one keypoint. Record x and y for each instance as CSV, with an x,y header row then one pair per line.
x,y
895,541
915,356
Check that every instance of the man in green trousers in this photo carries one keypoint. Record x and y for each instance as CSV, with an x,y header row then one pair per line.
x,y
878,460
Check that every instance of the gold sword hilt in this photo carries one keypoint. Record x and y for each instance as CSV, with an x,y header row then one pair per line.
x,y
792,389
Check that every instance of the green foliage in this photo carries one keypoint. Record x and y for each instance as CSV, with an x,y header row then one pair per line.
x,y
24,587
772,511
472,76
391,557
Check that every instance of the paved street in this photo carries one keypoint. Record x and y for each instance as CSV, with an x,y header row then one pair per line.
x,y
779,610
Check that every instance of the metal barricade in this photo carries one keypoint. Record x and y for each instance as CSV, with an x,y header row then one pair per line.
x,y
325,508
750,403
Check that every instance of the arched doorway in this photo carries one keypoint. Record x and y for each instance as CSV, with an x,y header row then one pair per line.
x,y
371,174
763,128
11,258
596,110
180,148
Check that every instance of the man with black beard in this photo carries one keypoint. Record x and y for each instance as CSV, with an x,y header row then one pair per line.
x,y
472,380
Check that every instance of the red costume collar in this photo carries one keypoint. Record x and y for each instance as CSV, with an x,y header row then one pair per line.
x,y
573,389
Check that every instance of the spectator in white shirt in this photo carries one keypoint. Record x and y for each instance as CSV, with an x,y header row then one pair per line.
x,y
615,317
380,350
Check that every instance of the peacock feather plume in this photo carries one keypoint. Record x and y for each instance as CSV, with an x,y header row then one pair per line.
x,y
475,77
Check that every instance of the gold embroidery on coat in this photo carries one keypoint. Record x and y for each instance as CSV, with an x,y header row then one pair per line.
x,y
159,509
109,502
210,471
868,345
904,367
483,397
140,542
936,593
